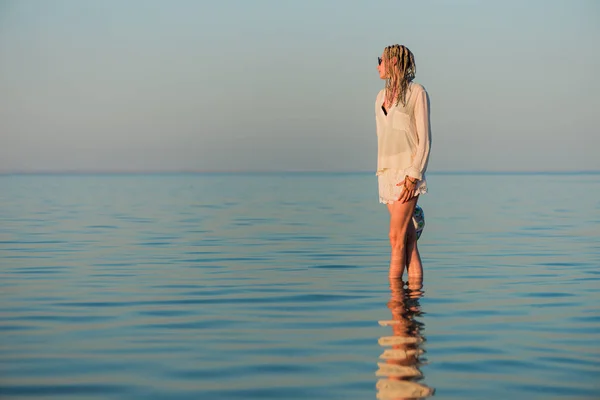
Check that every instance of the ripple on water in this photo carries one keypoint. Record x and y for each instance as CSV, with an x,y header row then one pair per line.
x,y
175,287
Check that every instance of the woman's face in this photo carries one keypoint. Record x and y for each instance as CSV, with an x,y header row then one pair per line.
x,y
382,67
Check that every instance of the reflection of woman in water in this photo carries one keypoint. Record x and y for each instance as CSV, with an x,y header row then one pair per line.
x,y
402,357
403,142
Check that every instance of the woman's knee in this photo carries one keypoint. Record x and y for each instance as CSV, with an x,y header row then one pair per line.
x,y
397,238
411,233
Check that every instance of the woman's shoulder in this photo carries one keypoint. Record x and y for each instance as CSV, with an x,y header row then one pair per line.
x,y
379,98
417,87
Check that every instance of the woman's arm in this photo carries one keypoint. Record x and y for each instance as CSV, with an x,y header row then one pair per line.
x,y
422,119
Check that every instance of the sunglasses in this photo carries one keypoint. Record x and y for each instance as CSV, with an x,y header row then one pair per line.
x,y
378,60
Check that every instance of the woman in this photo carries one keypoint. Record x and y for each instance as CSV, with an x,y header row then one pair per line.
x,y
403,142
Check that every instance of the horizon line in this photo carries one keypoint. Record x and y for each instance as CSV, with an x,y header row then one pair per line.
x,y
232,172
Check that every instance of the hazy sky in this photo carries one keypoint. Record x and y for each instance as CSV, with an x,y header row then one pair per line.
x,y
290,85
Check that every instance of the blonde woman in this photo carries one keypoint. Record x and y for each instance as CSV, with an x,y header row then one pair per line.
x,y
403,143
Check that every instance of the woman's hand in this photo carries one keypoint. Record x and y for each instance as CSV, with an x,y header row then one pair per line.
x,y
408,191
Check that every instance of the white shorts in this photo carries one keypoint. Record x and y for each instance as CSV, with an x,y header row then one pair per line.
x,y
389,192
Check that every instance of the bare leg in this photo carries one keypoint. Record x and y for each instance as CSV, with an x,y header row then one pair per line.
x,y
400,217
413,258
414,286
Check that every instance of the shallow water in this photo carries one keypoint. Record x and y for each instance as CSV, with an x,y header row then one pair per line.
x,y
248,286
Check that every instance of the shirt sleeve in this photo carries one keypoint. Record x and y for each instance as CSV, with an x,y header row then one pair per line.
x,y
421,157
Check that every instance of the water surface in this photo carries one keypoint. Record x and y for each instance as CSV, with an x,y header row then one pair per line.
x,y
248,286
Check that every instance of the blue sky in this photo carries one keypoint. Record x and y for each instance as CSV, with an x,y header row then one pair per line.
x,y
271,85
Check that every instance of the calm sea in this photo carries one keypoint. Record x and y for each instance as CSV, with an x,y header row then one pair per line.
x,y
274,286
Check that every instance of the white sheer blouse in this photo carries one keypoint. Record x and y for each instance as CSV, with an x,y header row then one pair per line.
x,y
404,134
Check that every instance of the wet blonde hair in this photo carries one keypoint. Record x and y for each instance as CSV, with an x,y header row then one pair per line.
x,y
400,74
